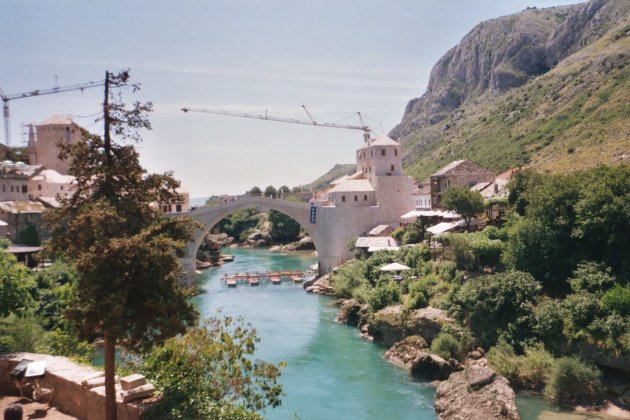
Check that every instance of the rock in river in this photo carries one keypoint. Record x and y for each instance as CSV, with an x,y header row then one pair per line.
x,y
476,393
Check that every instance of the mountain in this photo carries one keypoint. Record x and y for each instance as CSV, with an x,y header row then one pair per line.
x,y
547,88
335,172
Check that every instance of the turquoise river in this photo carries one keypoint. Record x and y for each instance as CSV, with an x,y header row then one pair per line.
x,y
331,372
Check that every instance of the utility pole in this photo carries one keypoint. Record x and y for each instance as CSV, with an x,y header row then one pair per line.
x,y
110,341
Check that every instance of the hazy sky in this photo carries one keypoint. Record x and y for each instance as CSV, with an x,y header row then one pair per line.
x,y
334,56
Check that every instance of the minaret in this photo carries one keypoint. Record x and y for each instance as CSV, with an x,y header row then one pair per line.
x,y
32,146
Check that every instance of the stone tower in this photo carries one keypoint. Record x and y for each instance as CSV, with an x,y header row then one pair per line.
x,y
44,148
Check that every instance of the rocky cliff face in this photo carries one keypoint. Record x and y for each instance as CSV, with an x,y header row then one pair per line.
x,y
504,53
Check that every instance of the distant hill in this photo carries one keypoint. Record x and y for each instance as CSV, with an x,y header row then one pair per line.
x,y
548,88
323,181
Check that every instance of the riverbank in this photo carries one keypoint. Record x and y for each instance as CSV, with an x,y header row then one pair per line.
x,y
409,338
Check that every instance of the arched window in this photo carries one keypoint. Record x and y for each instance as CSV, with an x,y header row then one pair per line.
x,y
68,135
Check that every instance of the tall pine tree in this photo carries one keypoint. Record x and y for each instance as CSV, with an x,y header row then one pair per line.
x,y
124,250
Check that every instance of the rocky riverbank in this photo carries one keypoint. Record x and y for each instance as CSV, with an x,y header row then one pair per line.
x,y
469,390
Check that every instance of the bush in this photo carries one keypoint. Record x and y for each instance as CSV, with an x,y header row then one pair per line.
x,y
574,381
497,304
446,270
382,296
446,346
460,252
418,296
348,278
617,300
210,368
550,322
591,277
504,360
417,256
535,367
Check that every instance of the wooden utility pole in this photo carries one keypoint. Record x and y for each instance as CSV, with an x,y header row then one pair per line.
x,y
110,342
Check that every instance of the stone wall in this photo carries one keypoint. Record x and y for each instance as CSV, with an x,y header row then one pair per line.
x,y
65,376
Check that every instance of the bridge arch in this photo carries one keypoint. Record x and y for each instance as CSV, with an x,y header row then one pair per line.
x,y
209,216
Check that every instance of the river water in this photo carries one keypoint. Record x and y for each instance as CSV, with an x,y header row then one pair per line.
x,y
331,372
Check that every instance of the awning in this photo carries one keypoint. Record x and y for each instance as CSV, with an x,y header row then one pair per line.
x,y
444,227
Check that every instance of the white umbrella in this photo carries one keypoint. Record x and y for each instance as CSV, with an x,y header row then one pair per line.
x,y
395,267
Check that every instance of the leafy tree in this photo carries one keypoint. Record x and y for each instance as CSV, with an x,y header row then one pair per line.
x,y
15,282
497,305
29,235
591,277
210,366
239,223
283,227
124,251
464,202
284,190
255,192
271,192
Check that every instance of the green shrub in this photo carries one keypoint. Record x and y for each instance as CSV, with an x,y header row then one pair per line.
x,y
417,256
574,381
617,300
591,277
348,278
504,360
459,252
382,296
412,236
535,367
549,327
446,270
497,304
581,308
418,296
398,234
446,346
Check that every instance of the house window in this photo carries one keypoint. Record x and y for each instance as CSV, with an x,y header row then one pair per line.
x,y
382,152
61,188
24,189
68,135
371,152
343,198
365,197
395,152
39,187
356,198
178,208
165,209
392,168
11,188
4,188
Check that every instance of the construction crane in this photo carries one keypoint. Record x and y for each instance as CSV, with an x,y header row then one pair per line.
x,y
366,130
39,92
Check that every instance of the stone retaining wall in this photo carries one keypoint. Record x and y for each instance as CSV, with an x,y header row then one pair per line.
x,y
65,376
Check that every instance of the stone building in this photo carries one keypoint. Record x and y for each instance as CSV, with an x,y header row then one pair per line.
x,y
422,196
44,139
465,173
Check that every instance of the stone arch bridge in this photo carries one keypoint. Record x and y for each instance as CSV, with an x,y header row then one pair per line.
x,y
330,229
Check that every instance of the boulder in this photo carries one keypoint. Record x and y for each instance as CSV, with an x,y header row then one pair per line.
x,y
476,393
351,312
254,236
403,353
411,354
320,286
304,244
275,248
388,326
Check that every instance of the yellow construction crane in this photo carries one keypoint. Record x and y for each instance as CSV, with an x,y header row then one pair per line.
x,y
38,92
366,130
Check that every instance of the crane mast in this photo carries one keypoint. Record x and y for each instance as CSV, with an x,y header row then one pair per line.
x,y
366,130
38,92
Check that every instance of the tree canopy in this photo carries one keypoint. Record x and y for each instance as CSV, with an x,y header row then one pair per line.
x,y
466,203
124,250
